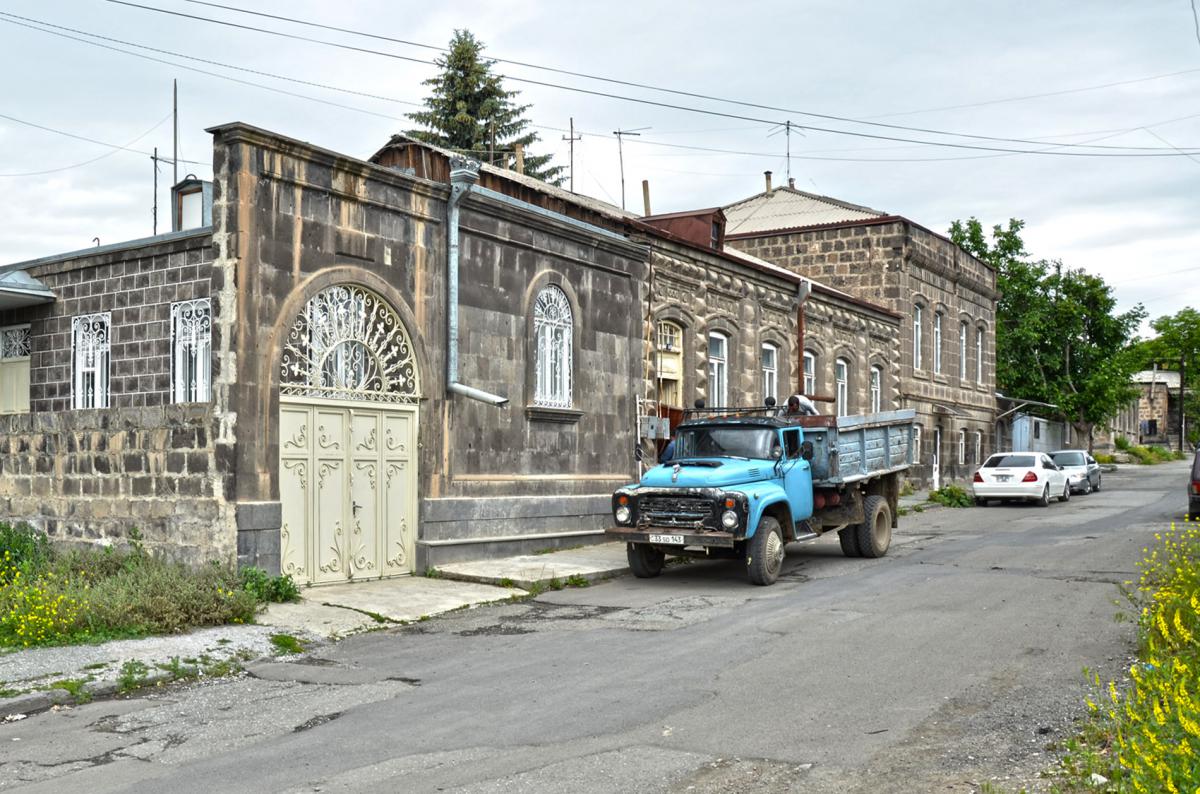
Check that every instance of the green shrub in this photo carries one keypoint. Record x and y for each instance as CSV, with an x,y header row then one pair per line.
x,y
269,589
1122,443
1102,458
951,496
23,548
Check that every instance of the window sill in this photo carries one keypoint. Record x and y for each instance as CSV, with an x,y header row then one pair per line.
x,y
542,413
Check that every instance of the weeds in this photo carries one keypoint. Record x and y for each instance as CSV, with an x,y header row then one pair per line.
x,y
286,643
76,687
432,573
506,582
575,580
269,589
134,675
951,496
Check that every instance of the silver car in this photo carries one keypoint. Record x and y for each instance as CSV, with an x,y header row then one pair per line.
x,y
1082,470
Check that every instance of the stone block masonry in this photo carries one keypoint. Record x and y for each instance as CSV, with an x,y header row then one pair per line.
x,y
92,476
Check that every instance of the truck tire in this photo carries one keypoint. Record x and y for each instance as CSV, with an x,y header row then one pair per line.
x,y
645,561
848,537
764,552
875,532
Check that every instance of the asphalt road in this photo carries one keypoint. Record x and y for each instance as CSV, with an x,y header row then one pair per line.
x,y
951,662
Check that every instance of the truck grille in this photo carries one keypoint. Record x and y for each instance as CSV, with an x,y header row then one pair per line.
x,y
675,510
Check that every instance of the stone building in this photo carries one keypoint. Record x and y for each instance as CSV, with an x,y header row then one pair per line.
x,y
1158,407
946,297
725,327
358,370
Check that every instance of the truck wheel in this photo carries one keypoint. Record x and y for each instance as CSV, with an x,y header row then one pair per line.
x,y
875,532
764,552
848,537
646,562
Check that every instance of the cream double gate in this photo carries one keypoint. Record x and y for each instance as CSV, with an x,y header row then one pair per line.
x,y
348,485
347,440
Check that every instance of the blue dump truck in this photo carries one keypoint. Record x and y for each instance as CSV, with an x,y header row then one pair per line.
x,y
746,482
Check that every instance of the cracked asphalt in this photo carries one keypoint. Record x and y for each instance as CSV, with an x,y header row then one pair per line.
x,y
951,663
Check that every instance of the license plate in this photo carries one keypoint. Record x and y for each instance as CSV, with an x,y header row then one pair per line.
x,y
676,540
1002,478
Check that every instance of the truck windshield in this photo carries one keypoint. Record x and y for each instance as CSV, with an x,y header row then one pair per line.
x,y
725,441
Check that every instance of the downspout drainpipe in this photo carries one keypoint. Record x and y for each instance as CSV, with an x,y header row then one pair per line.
x,y
802,293
463,174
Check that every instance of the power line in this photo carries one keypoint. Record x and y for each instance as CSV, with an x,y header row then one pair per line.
x,y
612,80
671,106
114,148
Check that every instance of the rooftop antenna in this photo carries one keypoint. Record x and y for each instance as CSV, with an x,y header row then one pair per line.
x,y
175,135
786,129
572,138
636,132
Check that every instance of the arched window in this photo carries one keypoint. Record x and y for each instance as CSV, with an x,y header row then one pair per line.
x,y
718,370
876,389
978,447
937,343
669,363
916,444
962,350
917,312
770,371
979,355
810,374
841,376
962,446
553,334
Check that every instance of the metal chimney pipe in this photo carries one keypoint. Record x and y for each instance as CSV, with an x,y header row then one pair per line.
x,y
646,196
792,182
520,153
767,174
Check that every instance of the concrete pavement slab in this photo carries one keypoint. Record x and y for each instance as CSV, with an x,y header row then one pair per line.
x,y
602,561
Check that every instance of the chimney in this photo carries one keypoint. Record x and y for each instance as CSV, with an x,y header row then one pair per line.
x,y
646,196
520,153
767,174
792,182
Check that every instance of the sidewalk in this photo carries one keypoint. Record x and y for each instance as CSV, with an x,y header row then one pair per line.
x,y
36,679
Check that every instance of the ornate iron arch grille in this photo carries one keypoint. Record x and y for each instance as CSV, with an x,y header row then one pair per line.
x,y
349,344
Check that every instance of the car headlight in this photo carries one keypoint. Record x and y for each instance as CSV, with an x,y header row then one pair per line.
x,y
623,515
729,519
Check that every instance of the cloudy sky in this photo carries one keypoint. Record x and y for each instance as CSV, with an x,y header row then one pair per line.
x,y
1110,73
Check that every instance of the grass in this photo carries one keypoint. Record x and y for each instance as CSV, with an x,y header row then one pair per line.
x,y
432,573
76,687
57,596
506,582
1143,732
951,496
286,643
575,580
134,675
1105,459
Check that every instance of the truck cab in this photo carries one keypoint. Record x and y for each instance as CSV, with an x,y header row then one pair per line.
x,y
742,487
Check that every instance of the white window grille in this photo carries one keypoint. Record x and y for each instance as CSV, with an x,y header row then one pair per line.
x,y
841,371
90,338
14,369
962,447
554,336
14,342
718,370
978,447
668,337
876,389
916,444
810,374
917,311
962,351
937,343
191,351
979,355
770,371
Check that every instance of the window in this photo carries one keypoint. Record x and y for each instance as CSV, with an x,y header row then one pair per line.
x,y
917,336
962,447
553,335
191,351
841,371
978,447
916,443
718,370
962,350
669,363
716,235
876,388
1037,429
90,343
14,369
937,343
979,355
770,371
791,443
810,374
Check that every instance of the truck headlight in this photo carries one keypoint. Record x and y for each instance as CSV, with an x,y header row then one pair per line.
x,y
729,519
623,515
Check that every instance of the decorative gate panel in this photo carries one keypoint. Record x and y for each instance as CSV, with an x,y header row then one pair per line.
x,y
349,391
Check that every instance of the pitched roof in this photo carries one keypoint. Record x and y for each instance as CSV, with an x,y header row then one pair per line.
x,y
789,208
1166,377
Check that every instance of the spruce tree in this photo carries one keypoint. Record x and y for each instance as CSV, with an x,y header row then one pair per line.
x,y
470,111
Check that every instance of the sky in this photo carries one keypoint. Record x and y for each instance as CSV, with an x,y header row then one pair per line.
x,y
1051,72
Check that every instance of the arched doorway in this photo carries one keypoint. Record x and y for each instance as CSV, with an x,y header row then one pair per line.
x,y
348,395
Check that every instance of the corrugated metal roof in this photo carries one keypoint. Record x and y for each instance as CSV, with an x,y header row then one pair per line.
x,y
788,208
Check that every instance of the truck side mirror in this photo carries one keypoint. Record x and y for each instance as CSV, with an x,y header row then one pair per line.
x,y
806,450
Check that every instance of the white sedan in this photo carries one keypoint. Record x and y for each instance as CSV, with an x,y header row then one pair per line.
x,y
1032,476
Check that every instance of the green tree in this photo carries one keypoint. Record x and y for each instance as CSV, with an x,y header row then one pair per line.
x,y
1177,347
1059,338
470,111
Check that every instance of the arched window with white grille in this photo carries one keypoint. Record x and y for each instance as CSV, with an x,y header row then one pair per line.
x,y
191,351
554,339
810,374
90,342
841,377
770,371
876,389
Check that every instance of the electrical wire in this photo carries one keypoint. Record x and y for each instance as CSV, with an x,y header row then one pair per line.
x,y
616,81
1125,151
114,148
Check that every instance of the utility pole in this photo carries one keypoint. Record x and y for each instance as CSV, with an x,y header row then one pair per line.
x,y
572,138
621,155
175,135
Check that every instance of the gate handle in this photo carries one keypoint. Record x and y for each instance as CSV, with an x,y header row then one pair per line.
x,y
355,506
